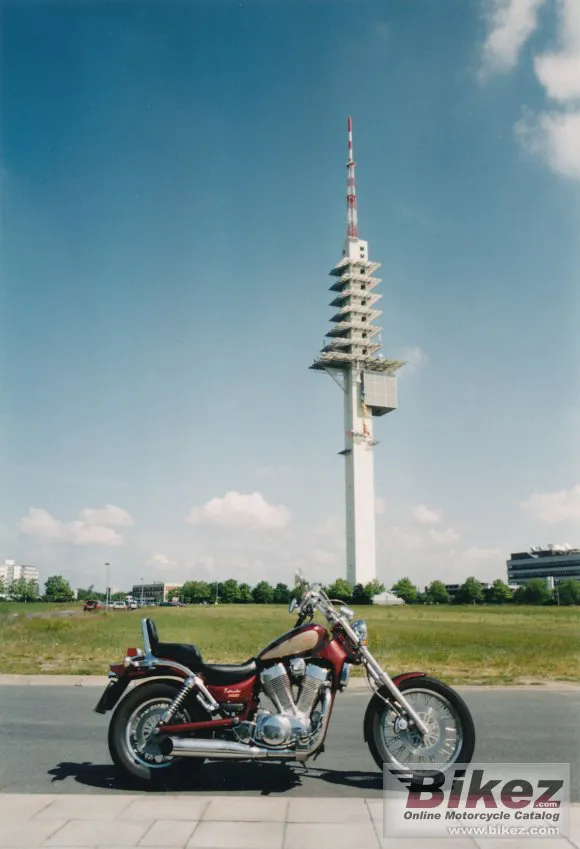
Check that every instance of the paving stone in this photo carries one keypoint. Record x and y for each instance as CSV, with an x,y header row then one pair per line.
x,y
168,833
79,833
239,835
247,809
85,807
29,834
22,806
328,810
172,808
358,835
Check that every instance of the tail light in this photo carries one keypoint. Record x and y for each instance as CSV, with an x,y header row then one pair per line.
x,y
133,652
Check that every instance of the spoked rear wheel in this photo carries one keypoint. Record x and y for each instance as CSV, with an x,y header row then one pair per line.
x,y
134,750
451,732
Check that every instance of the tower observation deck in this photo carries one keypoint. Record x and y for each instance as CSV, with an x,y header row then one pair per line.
x,y
350,354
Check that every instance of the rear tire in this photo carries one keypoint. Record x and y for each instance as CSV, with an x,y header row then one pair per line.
x,y
380,718
131,718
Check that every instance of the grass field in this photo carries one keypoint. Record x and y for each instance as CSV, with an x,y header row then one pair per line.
x,y
478,645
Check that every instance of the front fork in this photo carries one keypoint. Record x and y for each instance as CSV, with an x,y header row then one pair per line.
x,y
382,678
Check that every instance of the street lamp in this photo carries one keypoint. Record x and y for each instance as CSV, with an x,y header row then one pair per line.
x,y
108,587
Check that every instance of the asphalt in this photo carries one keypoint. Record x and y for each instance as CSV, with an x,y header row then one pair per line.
x,y
51,741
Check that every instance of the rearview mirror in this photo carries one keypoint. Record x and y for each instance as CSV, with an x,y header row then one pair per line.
x,y
292,605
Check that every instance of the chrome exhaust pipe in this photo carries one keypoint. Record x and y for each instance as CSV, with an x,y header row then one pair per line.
x,y
189,747
220,749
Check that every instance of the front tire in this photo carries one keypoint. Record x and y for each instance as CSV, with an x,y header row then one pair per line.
x,y
451,737
136,757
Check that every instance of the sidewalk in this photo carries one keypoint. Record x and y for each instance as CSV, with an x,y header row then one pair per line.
x,y
210,822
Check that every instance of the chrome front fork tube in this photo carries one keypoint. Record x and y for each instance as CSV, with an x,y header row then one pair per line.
x,y
381,677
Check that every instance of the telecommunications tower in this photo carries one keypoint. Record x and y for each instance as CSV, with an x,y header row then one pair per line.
x,y
351,356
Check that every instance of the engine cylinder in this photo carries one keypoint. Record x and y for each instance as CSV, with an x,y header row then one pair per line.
x,y
314,678
277,687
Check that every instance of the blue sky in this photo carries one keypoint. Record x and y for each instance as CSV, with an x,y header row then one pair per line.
x,y
172,193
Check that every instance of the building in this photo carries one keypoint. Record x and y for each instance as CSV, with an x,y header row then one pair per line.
x,y
9,573
155,592
557,562
350,355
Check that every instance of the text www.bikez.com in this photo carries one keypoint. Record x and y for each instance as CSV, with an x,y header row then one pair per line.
x,y
503,831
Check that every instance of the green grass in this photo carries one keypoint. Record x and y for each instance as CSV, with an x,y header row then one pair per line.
x,y
478,645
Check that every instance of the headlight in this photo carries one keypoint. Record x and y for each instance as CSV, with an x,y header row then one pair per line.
x,y
360,628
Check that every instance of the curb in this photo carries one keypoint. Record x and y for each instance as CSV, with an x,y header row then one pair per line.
x,y
358,683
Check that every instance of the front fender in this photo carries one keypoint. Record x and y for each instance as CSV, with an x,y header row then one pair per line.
x,y
383,693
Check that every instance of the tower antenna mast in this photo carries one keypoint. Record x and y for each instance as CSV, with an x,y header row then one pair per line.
x,y
351,357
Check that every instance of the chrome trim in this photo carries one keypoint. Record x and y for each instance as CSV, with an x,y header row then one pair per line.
x,y
344,677
112,676
382,678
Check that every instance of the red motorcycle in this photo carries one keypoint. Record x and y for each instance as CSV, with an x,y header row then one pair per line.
x,y
180,709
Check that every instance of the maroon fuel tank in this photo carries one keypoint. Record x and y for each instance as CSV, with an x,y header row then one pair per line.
x,y
299,642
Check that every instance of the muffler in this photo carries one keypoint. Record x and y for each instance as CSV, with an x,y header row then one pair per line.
x,y
187,747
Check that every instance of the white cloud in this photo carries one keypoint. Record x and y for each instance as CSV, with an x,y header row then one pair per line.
x,y
483,555
425,516
108,515
554,134
444,537
510,25
161,562
91,529
236,509
554,507
559,71
380,506
415,359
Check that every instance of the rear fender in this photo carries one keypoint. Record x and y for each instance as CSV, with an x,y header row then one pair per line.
x,y
379,699
117,688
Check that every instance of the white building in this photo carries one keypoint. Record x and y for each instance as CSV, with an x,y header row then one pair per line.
x,y
9,573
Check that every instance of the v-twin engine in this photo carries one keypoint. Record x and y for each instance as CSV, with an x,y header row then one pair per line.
x,y
295,721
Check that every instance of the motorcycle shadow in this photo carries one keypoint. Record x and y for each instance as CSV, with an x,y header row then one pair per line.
x,y
265,779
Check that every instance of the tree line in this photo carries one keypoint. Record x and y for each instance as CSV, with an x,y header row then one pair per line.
x,y
472,591
535,591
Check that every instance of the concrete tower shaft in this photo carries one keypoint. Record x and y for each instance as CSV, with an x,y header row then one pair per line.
x,y
350,354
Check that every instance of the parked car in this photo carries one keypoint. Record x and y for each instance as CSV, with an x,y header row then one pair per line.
x,y
119,605
92,604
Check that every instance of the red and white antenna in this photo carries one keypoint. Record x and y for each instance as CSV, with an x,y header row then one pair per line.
x,y
352,222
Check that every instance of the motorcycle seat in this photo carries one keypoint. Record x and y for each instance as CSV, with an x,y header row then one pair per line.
x,y
222,674
214,674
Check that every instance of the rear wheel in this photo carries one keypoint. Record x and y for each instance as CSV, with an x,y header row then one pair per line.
x,y
134,750
451,732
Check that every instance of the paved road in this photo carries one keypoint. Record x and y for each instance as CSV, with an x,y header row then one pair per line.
x,y
52,742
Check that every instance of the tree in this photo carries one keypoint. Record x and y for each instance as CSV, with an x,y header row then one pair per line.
x,y
406,590
229,591
263,593
568,592
195,592
535,592
2,585
244,594
282,594
86,595
471,592
341,590
57,588
437,593
499,593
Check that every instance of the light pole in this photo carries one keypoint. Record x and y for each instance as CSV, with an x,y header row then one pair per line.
x,y
108,587
216,591
141,592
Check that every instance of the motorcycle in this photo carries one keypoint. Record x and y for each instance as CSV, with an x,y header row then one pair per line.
x,y
171,708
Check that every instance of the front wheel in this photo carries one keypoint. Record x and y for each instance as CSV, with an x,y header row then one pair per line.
x,y
134,752
451,732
